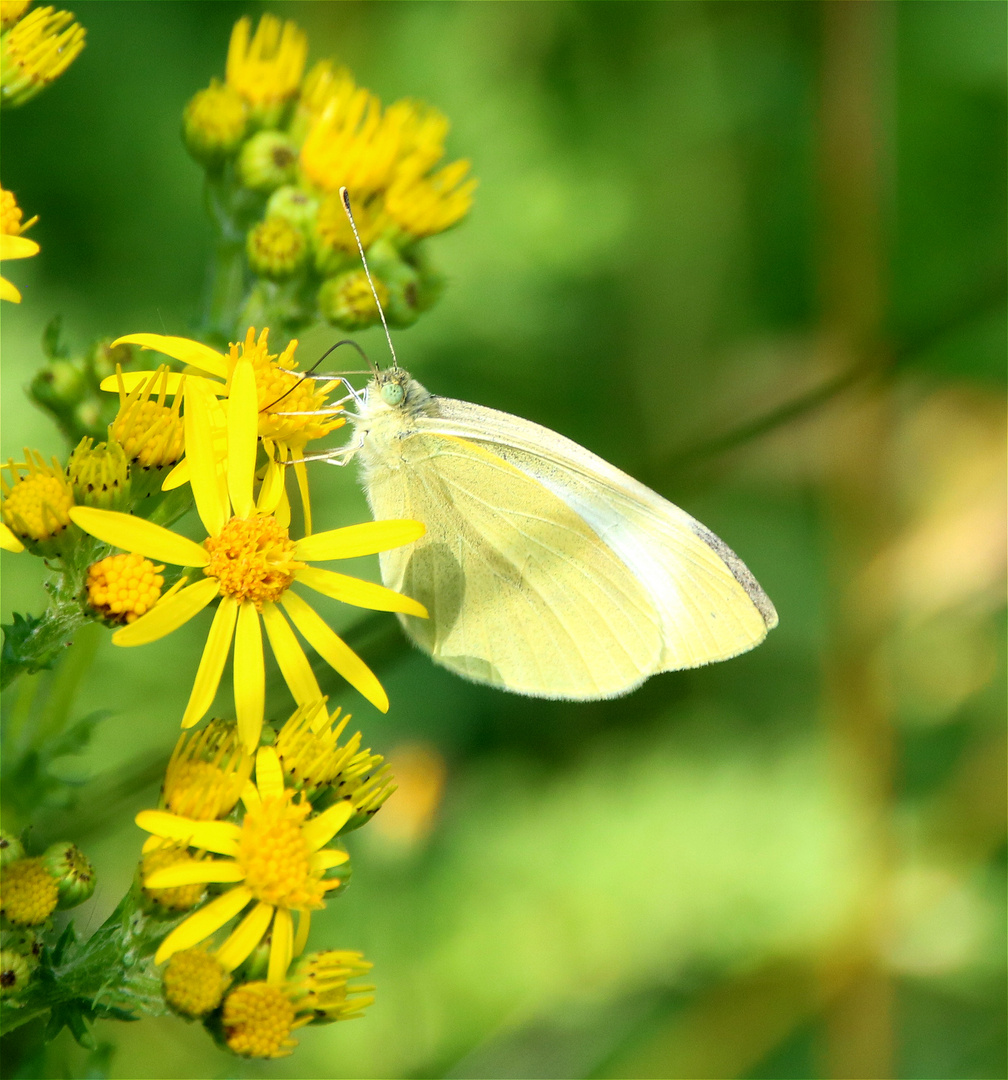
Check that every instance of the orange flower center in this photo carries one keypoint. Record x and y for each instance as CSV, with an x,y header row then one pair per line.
x,y
252,559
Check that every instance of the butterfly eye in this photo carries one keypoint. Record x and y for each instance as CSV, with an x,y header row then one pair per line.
x,y
392,393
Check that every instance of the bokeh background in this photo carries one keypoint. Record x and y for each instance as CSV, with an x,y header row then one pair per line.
x,y
754,254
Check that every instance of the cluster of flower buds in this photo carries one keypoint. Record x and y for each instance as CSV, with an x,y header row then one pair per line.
x,y
31,889
279,144
276,817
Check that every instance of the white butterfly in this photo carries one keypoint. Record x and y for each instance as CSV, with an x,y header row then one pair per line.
x,y
546,571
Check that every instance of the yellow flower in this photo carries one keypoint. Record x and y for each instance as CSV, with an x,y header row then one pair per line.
x,y
308,748
206,773
267,69
250,562
292,410
214,123
37,50
12,244
322,84
424,205
259,1017
11,11
36,502
29,892
194,982
353,144
277,858
121,588
149,431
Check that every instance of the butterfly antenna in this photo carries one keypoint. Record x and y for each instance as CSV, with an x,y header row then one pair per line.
x,y
345,196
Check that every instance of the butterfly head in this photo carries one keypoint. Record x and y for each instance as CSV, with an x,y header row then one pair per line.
x,y
395,390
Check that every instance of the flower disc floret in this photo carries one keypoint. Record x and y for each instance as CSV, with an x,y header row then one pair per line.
x,y
194,982
275,857
175,898
28,892
121,588
252,559
258,1019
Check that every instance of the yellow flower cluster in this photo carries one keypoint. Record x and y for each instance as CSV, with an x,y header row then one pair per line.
x,y
36,47
295,140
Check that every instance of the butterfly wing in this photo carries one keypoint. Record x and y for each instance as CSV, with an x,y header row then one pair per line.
x,y
522,593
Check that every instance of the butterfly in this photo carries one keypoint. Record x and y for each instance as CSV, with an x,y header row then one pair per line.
x,y
545,570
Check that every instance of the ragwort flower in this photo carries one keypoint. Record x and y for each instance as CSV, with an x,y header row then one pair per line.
x,y
250,562
266,68
35,51
277,858
291,410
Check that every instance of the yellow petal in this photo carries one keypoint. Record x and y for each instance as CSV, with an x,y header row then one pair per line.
x,y
327,858
290,657
368,538
17,247
250,796
245,936
9,292
271,489
177,477
8,541
199,440
133,533
301,937
249,676
301,472
336,653
200,925
133,379
218,871
281,947
269,773
168,614
215,654
220,837
242,437
360,593
179,348
322,828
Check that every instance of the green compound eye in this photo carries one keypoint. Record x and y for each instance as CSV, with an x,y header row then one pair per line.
x,y
392,393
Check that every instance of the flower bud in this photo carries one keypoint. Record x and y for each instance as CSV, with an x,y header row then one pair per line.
x,y
73,872
35,51
99,475
194,982
11,848
59,386
267,161
15,973
214,124
295,205
36,505
276,249
346,300
28,892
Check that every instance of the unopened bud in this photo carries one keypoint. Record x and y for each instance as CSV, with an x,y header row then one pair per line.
x,y
295,205
214,124
346,300
72,871
267,161
276,249
11,848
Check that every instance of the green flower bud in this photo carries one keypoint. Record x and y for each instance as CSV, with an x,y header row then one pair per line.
x,y
25,943
59,386
346,300
214,124
295,205
15,973
411,289
276,249
73,873
267,161
11,848
99,475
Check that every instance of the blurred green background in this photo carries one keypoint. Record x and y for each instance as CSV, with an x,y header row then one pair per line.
x,y
753,254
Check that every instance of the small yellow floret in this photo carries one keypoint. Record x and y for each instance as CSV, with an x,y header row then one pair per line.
x,y
267,69
124,587
37,50
11,214
36,506
11,11
424,205
150,432
194,982
176,898
214,122
206,773
258,1019
28,892
276,249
